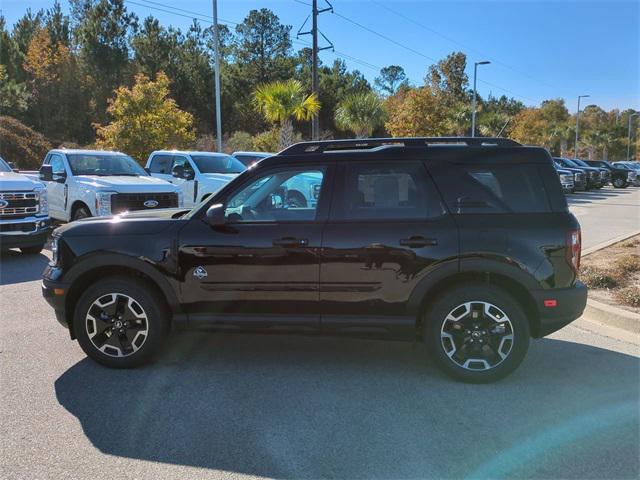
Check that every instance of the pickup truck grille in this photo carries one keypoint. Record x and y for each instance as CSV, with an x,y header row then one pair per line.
x,y
17,227
121,202
18,204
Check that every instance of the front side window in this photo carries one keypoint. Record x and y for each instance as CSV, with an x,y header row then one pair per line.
x,y
161,164
57,164
373,192
104,164
4,167
284,195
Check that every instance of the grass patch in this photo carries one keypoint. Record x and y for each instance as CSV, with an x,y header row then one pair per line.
x,y
595,277
628,295
627,263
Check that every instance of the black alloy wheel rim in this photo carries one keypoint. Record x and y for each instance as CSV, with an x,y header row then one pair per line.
x,y
117,325
477,336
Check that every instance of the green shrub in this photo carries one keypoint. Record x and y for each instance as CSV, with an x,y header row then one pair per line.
x,y
239,141
628,296
269,141
22,145
594,277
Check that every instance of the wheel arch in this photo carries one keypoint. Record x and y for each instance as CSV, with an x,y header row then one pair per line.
x,y
514,281
76,205
87,271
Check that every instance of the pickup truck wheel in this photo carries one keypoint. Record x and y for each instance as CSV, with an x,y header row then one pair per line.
x,y
80,213
120,322
476,333
32,250
619,183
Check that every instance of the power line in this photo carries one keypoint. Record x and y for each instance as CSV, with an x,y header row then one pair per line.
x,y
452,40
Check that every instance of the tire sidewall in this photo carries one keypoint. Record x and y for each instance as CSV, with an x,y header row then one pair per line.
x,y
436,314
76,215
150,302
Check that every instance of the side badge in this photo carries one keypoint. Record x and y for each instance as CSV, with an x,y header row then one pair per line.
x,y
200,273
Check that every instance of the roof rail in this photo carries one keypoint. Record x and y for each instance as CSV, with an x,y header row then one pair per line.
x,y
370,143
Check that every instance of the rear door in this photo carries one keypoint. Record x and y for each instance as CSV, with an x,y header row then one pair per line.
x,y
387,230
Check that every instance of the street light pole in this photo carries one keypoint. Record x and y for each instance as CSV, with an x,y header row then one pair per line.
x,y
473,108
216,44
629,135
575,153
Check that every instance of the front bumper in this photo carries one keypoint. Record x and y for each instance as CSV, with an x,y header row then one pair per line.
x,y
55,293
569,305
12,234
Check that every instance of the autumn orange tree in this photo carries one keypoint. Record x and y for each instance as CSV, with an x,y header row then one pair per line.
x,y
145,119
416,112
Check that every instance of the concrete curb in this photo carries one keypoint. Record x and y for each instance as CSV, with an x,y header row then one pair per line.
x,y
602,245
608,314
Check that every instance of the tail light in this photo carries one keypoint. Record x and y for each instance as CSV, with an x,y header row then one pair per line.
x,y
574,248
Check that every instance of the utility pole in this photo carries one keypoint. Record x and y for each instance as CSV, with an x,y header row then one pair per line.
x,y
315,121
631,115
216,43
575,153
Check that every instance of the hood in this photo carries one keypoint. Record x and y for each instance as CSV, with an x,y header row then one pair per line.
x,y
132,223
564,171
11,181
219,177
127,184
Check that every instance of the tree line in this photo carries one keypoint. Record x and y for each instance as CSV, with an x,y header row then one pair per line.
x,y
102,76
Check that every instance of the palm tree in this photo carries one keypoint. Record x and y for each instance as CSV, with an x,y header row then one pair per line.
x,y
281,102
361,113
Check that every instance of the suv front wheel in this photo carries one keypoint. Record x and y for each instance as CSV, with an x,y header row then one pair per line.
x,y
476,333
120,322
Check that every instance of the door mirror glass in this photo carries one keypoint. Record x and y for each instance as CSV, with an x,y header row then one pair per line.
x,y
46,173
60,177
178,171
216,215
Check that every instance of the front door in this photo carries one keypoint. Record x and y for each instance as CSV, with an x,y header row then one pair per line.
x,y
386,231
57,193
262,267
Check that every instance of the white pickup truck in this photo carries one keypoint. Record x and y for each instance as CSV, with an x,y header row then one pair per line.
x,y
91,183
24,211
197,174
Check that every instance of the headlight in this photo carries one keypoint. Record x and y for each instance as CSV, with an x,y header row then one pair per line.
x,y
631,176
103,203
54,250
43,201
180,198
566,178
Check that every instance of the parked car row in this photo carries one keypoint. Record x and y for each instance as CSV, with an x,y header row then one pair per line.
x,y
581,175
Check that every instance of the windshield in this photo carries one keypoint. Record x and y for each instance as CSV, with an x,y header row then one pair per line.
x,y
104,164
218,163
569,163
4,167
580,163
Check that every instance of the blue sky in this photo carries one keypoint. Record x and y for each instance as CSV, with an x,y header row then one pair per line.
x,y
538,49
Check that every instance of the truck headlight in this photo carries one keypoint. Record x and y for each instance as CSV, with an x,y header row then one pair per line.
x,y
43,201
103,203
631,176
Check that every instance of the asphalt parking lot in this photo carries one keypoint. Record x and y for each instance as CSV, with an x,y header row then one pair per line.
x,y
239,406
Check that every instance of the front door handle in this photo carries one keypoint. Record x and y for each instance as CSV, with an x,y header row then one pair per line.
x,y
417,241
291,242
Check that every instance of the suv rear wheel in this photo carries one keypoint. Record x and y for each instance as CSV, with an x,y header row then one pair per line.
x,y
476,333
120,323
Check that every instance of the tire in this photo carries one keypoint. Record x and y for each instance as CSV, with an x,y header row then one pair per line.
x,y
144,322
296,200
80,213
489,343
32,250
619,183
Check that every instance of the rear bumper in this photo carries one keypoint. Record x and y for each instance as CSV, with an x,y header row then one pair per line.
x,y
569,305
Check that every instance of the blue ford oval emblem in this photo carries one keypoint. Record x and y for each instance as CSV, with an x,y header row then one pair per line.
x,y
151,204
3,203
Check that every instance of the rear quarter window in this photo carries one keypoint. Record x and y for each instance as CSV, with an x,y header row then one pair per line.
x,y
498,188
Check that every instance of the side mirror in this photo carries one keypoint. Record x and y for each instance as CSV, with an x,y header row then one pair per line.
x,y
13,167
148,170
215,215
188,175
178,171
60,177
46,173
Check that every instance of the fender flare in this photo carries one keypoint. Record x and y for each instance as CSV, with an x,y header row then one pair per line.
x,y
111,259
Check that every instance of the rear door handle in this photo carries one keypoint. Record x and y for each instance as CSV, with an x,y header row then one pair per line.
x,y
291,242
417,241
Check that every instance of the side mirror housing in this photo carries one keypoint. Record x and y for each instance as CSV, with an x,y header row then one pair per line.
x,y
215,215
13,167
148,170
46,173
60,177
178,171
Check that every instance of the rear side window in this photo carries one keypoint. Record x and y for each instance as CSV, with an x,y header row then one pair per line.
x,y
381,192
489,188
161,164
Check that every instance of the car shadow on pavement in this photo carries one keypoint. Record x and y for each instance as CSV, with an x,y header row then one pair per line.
x,y
16,267
312,407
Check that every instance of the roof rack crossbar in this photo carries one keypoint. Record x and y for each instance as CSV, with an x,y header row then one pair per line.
x,y
368,143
